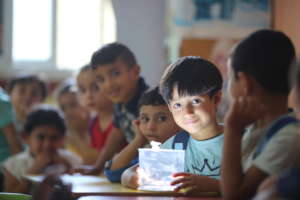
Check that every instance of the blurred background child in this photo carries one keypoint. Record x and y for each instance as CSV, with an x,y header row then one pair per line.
x,y
78,140
44,133
25,92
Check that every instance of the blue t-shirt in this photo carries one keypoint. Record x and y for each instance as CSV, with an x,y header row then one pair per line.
x,y
201,157
6,117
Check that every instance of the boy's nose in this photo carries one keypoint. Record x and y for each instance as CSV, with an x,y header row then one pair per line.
x,y
151,125
189,109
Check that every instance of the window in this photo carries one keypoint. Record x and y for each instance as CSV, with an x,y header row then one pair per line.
x,y
59,34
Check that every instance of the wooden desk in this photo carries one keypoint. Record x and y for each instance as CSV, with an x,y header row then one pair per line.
x,y
94,185
144,198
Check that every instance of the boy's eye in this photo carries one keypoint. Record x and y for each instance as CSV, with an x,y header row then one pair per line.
x,y
144,119
115,73
99,79
196,101
176,106
40,137
161,118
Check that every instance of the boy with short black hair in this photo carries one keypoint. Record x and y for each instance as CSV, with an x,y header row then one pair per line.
x,y
44,134
192,88
258,85
117,74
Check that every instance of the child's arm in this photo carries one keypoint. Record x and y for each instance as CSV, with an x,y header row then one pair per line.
x,y
113,145
130,178
12,138
236,184
124,158
195,184
11,184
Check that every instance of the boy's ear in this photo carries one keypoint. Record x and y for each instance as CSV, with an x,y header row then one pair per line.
x,y
246,83
136,71
217,98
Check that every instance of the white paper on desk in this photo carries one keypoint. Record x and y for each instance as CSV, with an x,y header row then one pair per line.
x,y
73,179
156,167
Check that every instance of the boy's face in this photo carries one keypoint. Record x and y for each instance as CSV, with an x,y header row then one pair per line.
x,y
24,96
293,101
118,81
89,93
157,123
194,113
75,114
44,139
234,88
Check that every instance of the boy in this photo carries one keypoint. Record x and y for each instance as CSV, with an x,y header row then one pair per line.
x,y
192,89
117,74
258,85
155,123
25,92
44,134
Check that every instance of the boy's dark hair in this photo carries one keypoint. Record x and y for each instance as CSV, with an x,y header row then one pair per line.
x,y
110,53
151,97
85,68
25,79
266,55
44,115
192,75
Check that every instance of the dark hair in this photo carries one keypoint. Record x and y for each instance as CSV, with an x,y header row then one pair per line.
x,y
110,53
25,79
151,97
44,115
266,55
85,68
192,75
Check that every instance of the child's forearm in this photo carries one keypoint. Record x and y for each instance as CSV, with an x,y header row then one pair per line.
x,y
124,158
231,172
112,146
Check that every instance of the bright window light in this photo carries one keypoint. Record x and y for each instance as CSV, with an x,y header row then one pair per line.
x,y
32,30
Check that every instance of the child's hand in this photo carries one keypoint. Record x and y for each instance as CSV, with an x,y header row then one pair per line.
x,y
188,182
242,112
138,132
58,160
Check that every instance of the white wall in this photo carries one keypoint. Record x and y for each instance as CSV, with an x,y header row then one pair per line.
x,y
141,26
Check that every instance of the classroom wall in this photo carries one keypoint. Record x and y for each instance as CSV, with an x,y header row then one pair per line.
x,y
141,26
286,18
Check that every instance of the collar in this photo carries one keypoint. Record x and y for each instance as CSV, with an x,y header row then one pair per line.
x,y
133,103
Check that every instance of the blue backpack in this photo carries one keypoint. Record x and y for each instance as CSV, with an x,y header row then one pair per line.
x,y
181,140
282,122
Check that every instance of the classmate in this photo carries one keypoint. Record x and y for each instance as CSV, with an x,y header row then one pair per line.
x,y
285,185
100,126
155,123
78,140
10,142
117,74
192,89
45,130
258,86
25,92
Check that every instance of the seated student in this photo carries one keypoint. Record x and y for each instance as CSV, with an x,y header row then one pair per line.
x,y
192,89
155,123
45,130
117,74
285,185
78,140
10,142
25,92
258,85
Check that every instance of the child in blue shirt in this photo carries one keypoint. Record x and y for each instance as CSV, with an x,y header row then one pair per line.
x,y
192,89
155,123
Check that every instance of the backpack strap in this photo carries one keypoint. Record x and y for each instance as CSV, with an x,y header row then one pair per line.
x,y
282,122
181,140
